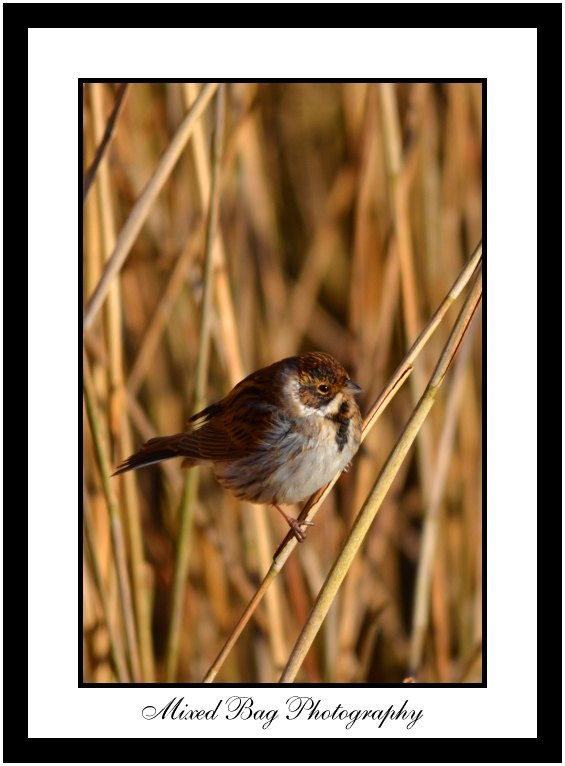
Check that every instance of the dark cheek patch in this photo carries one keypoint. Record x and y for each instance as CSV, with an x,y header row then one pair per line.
x,y
341,419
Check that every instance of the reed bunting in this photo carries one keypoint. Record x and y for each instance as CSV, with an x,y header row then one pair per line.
x,y
282,433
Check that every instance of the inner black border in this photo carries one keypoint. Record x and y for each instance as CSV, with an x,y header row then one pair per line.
x,y
189,685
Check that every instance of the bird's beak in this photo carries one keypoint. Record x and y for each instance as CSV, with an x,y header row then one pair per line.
x,y
352,388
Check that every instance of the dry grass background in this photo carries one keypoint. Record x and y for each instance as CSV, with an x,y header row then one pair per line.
x,y
345,213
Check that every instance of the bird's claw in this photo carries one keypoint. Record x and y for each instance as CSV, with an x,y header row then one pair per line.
x,y
295,525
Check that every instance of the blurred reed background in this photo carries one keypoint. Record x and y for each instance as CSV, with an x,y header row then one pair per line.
x,y
345,213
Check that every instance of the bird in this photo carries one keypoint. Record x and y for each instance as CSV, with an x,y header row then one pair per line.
x,y
279,435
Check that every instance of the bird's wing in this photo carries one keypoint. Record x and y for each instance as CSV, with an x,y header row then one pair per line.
x,y
212,441
232,428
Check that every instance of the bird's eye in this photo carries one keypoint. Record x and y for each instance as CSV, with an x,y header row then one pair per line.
x,y
323,389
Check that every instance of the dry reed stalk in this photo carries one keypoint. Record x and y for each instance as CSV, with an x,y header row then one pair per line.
x,y
143,205
231,344
118,543
115,642
185,531
118,422
432,518
105,138
162,314
402,169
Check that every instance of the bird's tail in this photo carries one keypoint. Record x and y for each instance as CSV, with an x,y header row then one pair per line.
x,y
153,451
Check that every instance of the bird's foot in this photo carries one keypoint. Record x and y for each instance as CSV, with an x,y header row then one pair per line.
x,y
295,524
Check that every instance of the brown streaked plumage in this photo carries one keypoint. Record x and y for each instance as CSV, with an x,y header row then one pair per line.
x,y
278,436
